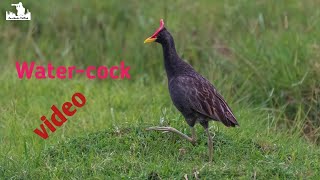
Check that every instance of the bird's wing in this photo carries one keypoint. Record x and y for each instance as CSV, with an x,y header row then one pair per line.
x,y
204,98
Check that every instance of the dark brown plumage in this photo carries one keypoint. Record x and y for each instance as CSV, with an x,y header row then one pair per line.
x,y
192,94
198,100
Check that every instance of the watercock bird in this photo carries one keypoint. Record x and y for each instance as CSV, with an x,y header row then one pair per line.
x,y
192,94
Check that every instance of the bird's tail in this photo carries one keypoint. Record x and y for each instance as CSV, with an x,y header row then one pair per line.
x,y
230,120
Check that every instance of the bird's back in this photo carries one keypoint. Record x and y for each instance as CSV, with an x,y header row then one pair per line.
x,y
195,97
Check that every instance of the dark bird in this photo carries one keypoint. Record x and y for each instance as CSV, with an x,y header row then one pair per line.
x,y
192,94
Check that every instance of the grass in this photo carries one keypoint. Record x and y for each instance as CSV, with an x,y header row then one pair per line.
x,y
262,56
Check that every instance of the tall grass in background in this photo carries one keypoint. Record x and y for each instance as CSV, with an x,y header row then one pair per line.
x,y
260,53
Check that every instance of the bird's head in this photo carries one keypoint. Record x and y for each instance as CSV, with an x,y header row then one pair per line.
x,y
160,35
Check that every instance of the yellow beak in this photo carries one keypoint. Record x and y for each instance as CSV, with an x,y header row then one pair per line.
x,y
149,40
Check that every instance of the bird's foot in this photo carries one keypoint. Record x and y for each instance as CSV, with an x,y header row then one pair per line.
x,y
174,130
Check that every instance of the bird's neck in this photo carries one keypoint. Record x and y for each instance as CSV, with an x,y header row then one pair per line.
x,y
171,58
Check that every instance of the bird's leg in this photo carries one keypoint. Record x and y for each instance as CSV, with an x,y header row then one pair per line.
x,y
194,136
210,144
171,129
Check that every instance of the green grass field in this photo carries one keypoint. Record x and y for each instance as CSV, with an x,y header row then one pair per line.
x,y
263,57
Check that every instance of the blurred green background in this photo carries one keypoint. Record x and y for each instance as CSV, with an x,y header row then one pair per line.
x,y
263,57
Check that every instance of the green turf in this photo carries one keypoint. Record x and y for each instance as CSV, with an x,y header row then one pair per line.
x,y
263,57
